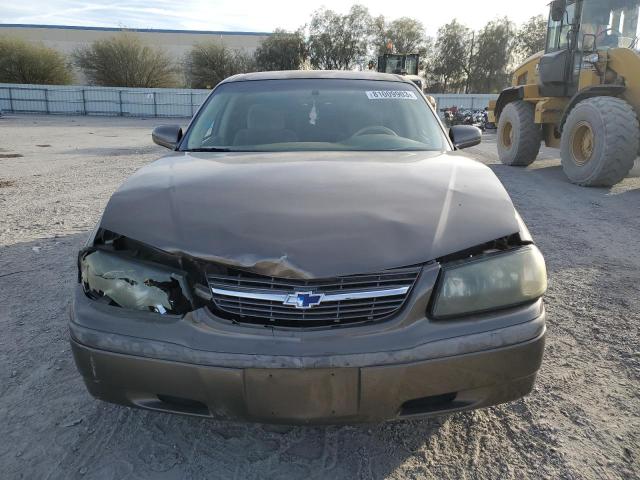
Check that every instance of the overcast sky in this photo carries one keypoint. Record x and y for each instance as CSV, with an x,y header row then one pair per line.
x,y
252,15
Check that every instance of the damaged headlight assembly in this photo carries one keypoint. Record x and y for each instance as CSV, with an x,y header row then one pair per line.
x,y
132,284
490,282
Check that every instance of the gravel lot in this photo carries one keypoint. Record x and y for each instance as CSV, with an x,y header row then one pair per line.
x,y
582,421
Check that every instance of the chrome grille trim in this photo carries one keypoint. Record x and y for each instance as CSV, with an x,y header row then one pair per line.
x,y
246,297
328,297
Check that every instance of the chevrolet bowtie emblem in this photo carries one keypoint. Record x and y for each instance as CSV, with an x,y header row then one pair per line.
x,y
304,299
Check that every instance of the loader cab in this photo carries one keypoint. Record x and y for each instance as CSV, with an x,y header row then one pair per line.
x,y
580,27
399,63
557,70
402,64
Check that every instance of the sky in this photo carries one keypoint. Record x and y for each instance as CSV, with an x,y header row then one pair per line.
x,y
253,15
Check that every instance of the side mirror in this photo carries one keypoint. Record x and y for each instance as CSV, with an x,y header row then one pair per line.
x,y
433,102
465,136
558,8
167,136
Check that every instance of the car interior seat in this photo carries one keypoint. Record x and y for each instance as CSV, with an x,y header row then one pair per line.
x,y
265,125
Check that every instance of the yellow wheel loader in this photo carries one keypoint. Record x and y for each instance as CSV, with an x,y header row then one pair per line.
x,y
582,94
402,64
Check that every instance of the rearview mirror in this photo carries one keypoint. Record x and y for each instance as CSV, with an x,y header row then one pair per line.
x,y
167,136
465,136
558,8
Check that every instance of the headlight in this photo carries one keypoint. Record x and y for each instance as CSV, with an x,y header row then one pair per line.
x,y
491,282
132,284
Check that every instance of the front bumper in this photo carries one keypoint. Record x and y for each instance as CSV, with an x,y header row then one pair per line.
x,y
316,396
445,374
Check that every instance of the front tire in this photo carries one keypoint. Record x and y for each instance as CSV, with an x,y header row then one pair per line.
x,y
519,137
600,142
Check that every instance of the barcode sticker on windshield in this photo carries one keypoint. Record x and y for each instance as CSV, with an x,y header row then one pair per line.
x,y
391,95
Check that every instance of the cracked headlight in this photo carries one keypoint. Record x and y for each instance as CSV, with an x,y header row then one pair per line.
x,y
490,282
132,284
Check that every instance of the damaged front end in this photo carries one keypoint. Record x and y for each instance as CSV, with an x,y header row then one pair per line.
x,y
117,271
120,272
177,333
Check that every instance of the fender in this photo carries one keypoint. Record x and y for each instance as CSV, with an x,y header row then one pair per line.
x,y
507,96
590,92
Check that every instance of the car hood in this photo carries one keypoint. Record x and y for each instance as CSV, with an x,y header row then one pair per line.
x,y
313,214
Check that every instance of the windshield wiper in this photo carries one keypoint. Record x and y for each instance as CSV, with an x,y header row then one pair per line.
x,y
208,149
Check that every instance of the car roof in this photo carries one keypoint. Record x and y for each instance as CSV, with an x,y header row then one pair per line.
x,y
316,74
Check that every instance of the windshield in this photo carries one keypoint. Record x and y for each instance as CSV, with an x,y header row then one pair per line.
x,y
613,22
315,114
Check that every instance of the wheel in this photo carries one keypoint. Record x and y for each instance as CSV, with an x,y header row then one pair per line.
x,y
519,137
600,142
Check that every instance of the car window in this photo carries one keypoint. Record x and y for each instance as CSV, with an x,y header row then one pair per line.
x,y
315,114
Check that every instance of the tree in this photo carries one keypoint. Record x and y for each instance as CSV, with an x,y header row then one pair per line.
x,y
208,63
281,51
450,61
404,35
531,37
125,61
492,58
23,62
339,42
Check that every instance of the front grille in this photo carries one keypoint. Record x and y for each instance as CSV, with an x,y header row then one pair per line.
x,y
250,298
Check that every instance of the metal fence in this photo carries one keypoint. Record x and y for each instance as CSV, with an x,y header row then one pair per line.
x,y
78,100
143,102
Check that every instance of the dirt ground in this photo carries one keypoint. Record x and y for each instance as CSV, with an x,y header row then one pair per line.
x,y
581,422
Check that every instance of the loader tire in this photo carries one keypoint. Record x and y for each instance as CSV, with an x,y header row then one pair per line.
x,y
519,137
600,142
